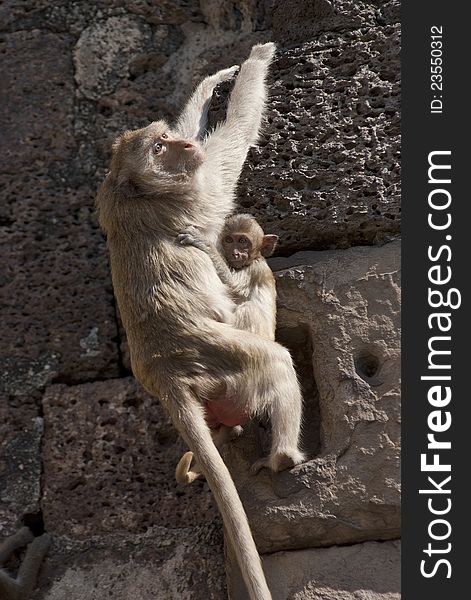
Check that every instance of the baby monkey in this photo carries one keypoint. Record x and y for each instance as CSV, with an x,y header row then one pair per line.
x,y
245,271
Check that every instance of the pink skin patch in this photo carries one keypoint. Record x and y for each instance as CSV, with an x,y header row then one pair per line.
x,y
223,412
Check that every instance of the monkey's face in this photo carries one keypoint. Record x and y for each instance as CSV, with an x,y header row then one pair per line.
x,y
238,249
154,154
171,154
174,155
243,241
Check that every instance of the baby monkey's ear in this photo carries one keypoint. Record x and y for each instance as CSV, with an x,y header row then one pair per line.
x,y
268,244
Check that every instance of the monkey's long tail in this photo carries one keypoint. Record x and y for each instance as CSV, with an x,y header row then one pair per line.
x,y
187,415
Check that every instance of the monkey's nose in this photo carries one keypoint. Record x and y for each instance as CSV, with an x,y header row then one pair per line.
x,y
186,145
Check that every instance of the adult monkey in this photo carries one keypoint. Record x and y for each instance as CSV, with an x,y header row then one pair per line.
x,y
175,309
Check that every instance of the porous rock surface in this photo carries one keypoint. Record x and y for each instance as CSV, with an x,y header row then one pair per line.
x,y
328,162
57,303
109,456
163,563
110,453
84,452
20,468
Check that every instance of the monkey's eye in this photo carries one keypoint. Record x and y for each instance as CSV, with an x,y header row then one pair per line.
x,y
228,239
158,147
164,136
243,240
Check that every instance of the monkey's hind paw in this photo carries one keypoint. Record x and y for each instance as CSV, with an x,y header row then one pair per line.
x,y
278,462
263,51
286,460
259,464
36,549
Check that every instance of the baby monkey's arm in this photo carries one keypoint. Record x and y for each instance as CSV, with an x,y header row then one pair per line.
x,y
190,237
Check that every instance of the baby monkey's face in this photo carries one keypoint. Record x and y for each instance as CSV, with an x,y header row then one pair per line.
x,y
244,241
238,249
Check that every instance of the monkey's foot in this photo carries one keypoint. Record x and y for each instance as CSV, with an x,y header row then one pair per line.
x,y
183,474
278,462
40,545
263,51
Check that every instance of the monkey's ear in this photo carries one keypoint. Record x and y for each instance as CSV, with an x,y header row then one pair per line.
x,y
268,244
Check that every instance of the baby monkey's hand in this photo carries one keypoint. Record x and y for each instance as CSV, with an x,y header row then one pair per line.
x,y
191,237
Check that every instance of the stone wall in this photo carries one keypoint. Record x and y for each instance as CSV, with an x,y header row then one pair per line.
x,y
84,452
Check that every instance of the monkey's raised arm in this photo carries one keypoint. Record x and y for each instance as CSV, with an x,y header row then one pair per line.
x,y
228,145
193,120
223,271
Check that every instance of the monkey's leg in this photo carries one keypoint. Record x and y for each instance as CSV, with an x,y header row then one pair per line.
x,y
285,413
283,404
16,541
268,384
9,588
193,120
